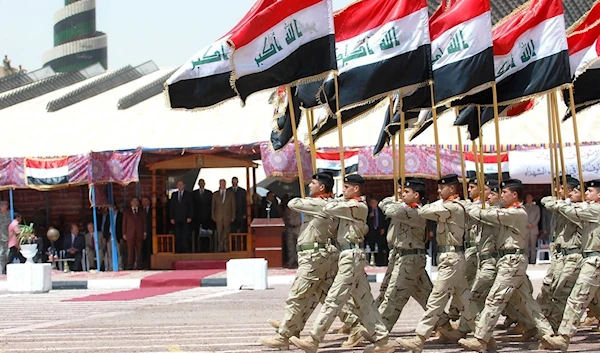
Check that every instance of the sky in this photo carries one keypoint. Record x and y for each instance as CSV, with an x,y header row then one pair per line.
x,y
168,32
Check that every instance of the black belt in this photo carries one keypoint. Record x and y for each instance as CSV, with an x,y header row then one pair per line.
x,y
310,246
450,248
567,252
488,255
348,246
590,254
470,244
403,252
511,252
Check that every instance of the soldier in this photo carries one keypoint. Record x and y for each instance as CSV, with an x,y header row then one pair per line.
x,y
4,222
351,279
587,216
511,266
567,266
450,216
316,258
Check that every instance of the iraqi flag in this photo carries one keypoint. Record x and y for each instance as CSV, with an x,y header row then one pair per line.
x,y
329,162
290,42
490,162
381,46
462,51
282,131
584,50
204,80
392,122
47,172
470,116
530,54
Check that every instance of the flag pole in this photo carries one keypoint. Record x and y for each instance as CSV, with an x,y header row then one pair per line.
x,y
462,159
395,164
338,116
553,166
497,125
560,142
481,176
311,141
402,147
477,166
296,142
435,132
555,146
576,134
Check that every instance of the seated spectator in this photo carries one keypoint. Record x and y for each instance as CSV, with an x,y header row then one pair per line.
x,y
90,245
74,243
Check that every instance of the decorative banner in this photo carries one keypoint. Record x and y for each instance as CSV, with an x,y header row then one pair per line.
x,y
282,164
533,167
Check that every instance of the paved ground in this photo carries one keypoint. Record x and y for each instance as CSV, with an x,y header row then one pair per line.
x,y
195,320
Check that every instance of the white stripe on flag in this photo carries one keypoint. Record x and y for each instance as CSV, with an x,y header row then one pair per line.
x,y
589,61
412,32
47,173
335,164
210,60
271,47
544,40
476,33
487,167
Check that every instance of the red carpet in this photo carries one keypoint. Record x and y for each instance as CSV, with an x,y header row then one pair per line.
x,y
133,294
199,265
177,278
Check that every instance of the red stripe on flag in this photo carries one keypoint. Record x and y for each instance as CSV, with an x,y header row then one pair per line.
x,y
335,156
587,19
258,7
268,18
538,11
366,15
520,108
583,40
46,163
487,158
459,12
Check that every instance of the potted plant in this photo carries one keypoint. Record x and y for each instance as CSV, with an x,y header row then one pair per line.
x,y
27,243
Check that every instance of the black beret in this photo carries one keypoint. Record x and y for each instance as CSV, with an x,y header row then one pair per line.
x,y
511,182
573,182
412,182
354,179
324,178
593,183
492,184
448,179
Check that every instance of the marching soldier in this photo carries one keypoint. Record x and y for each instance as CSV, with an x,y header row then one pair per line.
x,y
316,258
566,267
450,216
587,216
351,279
511,267
471,234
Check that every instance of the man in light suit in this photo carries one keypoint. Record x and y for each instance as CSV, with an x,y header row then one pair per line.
x,y
240,223
182,213
223,214
533,230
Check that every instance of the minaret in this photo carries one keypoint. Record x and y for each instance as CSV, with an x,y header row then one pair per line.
x,y
77,44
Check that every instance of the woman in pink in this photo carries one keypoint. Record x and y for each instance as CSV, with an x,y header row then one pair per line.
x,y
13,241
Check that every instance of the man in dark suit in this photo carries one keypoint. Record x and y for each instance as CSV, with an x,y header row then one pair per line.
x,y
270,207
147,244
181,214
202,207
377,230
74,243
240,223
134,232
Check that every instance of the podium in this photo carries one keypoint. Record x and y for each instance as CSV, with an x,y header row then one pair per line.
x,y
268,240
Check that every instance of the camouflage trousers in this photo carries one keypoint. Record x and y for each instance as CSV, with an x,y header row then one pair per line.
x,y
3,256
545,295
484,279
450,282
350,281
388,275
583,292
566,273
471,261
316,270
408,278
510,279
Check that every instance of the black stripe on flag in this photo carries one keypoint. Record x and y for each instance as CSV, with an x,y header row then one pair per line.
x,y
458,78
347,116
538,77
303,60
284,123
336,172
48,181
586,88
365,82
201,92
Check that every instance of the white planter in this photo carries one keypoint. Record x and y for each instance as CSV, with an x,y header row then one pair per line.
x,y
29,251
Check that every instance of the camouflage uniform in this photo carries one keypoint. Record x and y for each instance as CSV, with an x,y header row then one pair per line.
x,y
4,222
408,277
450,217
511,270
351,279
567,266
